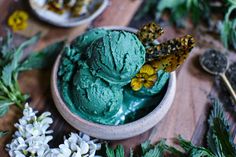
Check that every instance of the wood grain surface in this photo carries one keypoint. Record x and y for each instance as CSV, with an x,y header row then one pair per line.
x,y
186,114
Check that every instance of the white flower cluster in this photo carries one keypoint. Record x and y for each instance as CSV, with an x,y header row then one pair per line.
x,y
32,137
77,146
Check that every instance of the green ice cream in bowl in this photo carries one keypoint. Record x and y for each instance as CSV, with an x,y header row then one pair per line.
x,y
114,82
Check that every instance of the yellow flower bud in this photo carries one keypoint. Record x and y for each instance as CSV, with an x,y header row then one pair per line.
x,y
18,20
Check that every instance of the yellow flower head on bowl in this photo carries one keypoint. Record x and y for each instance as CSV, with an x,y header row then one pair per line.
x,y
18,20
167,56
146,77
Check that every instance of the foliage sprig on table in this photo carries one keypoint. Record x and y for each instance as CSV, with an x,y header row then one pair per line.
x,y
219,141
11,65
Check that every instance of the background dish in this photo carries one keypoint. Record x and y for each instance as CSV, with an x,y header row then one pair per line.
x,y
66,21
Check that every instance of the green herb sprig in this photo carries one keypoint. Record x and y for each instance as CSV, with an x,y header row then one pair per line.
x,y
179,10
10,56
3,133
10,66
219,141
148,150
228,26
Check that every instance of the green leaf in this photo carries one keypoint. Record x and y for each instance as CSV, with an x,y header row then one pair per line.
x,y
3,133
1,93
232,2
222,134
217,112
194,151
157,150
154,152
4,106
43,58
213,143
7,74
218,137
233,34
169,4
13,64
145,146
178,15
28,42
6,44
109,151
120,151
173,151
225,33
148,7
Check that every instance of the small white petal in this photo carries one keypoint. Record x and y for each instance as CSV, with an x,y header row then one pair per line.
x,y
84,147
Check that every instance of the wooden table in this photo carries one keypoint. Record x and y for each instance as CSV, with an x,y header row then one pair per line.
x,y
187,113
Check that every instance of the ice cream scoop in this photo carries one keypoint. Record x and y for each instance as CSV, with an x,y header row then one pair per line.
x,y
216,63
82,42
94,97
116,57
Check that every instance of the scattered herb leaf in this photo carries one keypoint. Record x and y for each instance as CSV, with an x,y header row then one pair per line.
x,y
109,151
43,58
3,133
10,66
4,106
219,139
120,151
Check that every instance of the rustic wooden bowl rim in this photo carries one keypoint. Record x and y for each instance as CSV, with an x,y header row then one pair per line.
x,y
111,132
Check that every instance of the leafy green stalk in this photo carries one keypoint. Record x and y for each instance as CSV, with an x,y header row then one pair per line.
x,y
179,10
117,152
148,150
10,67
218,137
44,58
219,140
8,76
228,27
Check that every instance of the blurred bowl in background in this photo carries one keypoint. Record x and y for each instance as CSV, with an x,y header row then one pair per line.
x,y
95,8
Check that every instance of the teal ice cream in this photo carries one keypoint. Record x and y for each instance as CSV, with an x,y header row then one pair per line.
x,y
93,95
94,76
117,57
82,42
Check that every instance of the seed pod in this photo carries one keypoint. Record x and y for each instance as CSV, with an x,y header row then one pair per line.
x,y
149,32
170,55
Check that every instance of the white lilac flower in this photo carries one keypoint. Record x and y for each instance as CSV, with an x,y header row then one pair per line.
x,y
32,135
76,146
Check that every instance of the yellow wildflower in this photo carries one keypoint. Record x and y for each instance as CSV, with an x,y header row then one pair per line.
x,y
18,20
146,77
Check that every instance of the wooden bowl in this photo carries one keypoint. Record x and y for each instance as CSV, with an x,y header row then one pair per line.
x,y
65,20
109,132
